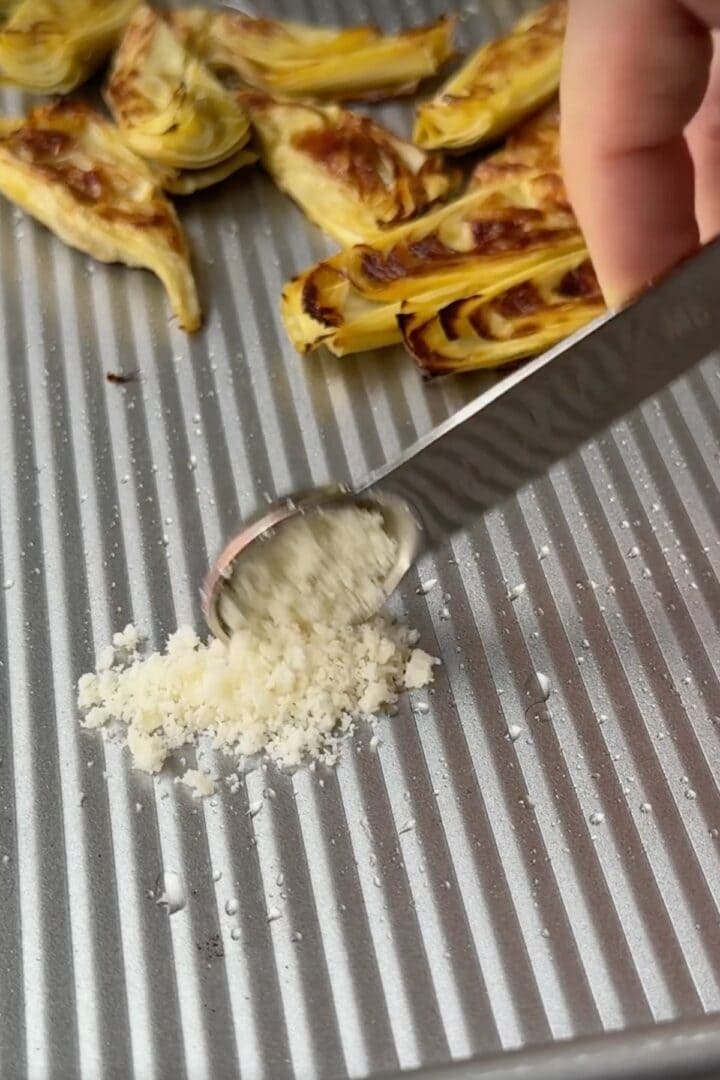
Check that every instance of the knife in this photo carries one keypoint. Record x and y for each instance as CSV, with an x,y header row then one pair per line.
x,y
552,405
515,431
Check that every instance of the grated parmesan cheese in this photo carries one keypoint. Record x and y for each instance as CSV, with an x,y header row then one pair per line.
x,y
299,669
295,574
199,783
288,692
128,639
418,670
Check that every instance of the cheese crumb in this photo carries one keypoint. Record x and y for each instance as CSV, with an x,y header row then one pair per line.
x,y
128,639
199,782
418,670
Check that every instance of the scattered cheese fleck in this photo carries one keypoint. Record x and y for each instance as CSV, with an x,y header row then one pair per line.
x,y
200,783
517,591
129,639
106,658
418,670
427,586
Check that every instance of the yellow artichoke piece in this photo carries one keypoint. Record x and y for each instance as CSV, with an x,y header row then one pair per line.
x,y
508,322
66,166
302,61
494,229
167,104
500,85
348,174
225,40
534,144
51,46
321,307
188,181
350,302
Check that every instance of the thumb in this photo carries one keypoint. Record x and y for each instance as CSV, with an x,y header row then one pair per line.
x,y
634,74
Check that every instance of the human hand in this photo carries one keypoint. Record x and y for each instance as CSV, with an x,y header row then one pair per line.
x,y
640,105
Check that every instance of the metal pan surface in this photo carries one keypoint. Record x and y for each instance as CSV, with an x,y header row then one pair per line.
x,y
502,874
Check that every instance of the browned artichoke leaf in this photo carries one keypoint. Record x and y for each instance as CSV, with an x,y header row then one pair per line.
x,y
350,302
168,105
507,322
295,60
533,144
492,229
348,174
51,46
188,181
504,82
66,166
228,40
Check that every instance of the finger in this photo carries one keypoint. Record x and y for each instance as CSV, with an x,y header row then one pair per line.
x,y
635,72
703,136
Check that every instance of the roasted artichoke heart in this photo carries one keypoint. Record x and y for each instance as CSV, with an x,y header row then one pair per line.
x,y
349,175
534,144
489,231
501,84
303,61
167,104
67,166
507,322
350,302
51,46
188,181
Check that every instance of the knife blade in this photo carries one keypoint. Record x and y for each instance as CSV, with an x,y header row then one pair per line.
x,y
554,404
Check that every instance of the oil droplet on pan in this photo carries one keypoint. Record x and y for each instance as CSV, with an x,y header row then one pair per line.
x,y
537,688
537,691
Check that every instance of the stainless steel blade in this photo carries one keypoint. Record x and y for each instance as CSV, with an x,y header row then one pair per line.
x,y
540,413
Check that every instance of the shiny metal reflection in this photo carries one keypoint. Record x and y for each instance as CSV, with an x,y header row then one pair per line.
x,y
400,521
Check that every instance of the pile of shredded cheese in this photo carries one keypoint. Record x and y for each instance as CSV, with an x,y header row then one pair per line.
x,y
288,685
288,693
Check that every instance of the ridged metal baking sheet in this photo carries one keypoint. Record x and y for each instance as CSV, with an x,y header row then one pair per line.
x,y
484,885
